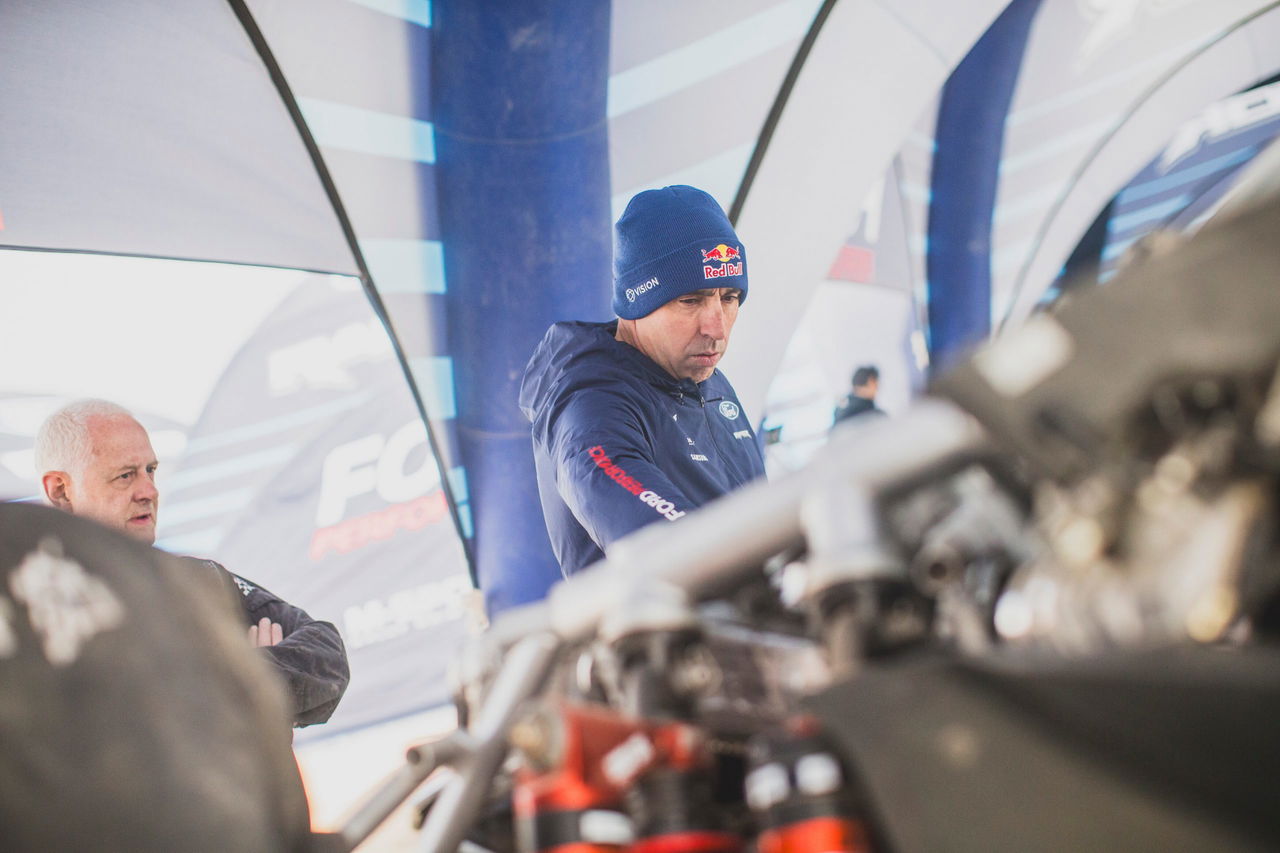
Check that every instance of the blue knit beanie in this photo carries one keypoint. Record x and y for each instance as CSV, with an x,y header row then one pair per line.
x,y
670,242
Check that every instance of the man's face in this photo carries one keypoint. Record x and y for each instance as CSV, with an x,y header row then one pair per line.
x,y
117,486
688,336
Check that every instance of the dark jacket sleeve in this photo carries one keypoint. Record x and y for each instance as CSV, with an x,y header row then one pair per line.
x,y
311,657
606,470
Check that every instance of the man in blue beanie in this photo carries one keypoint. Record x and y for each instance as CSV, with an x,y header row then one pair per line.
x,y
632,422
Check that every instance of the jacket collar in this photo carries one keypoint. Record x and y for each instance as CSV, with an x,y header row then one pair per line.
x,y
652,372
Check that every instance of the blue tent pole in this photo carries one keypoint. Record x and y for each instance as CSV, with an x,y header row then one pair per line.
x,y
519,89
969,140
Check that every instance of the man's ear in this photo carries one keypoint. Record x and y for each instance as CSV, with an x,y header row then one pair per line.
x,y
57,489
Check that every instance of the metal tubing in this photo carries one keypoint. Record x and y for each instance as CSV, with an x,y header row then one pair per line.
x,y
420,762
704,554
523,671
708,550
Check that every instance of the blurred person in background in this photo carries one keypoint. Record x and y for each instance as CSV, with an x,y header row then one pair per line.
x,y
861,399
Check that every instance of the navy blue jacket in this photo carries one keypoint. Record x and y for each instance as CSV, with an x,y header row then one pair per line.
x,y
619,443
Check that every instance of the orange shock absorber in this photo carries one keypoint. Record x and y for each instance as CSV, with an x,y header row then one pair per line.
x,y
672,801
801,793
561,799
598,782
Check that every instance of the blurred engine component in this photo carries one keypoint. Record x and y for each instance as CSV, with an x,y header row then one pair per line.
x,y
1037,612
1144,415
802,792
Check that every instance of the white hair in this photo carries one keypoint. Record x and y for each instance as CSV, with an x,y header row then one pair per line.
x,y
62,442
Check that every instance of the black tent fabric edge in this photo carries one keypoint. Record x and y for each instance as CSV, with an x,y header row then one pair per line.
x,y
259,42
775,111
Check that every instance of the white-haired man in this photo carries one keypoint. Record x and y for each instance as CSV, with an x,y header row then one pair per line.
x,y
96,460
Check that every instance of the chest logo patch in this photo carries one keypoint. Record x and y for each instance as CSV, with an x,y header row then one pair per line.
x,y
729,409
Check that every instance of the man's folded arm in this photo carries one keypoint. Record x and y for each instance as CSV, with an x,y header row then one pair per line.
x,y
311,657
314,662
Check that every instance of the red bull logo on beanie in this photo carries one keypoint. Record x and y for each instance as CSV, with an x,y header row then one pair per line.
x,y
718,262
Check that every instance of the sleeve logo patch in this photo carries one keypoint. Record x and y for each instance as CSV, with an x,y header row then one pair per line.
x,y
665,508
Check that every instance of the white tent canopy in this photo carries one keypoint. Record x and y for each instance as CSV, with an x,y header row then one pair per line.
x,y
193,153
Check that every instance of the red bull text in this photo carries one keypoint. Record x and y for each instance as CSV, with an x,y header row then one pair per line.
x,y
723,255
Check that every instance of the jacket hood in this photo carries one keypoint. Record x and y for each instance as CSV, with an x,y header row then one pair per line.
x,y
577,354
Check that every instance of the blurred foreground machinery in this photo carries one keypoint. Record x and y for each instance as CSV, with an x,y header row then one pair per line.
x,y
133,715
1037,613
